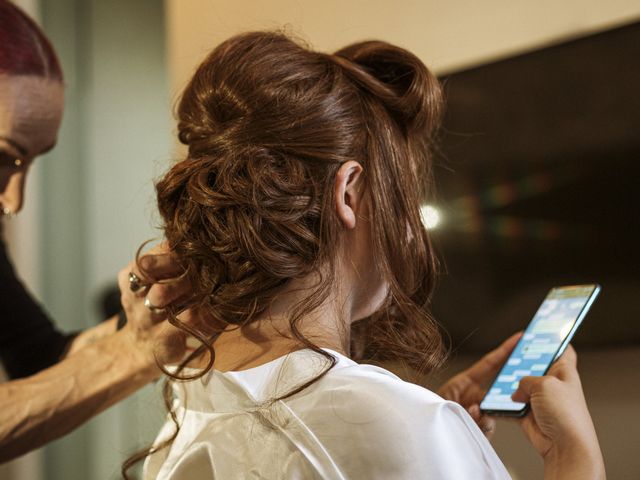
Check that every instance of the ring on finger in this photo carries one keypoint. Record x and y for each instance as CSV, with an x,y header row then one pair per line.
x,y
135,284
152,308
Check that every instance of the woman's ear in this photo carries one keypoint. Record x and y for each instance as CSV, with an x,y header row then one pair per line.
x,y
347,192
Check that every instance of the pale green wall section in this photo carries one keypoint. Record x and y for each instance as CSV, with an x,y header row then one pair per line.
x,y
97,200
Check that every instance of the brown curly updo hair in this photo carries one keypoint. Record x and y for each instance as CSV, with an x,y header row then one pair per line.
x,y
268,122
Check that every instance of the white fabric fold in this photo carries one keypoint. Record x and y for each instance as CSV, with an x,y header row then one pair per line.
x,y
356,422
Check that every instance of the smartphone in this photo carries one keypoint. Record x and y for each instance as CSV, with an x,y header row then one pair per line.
x,y
544,340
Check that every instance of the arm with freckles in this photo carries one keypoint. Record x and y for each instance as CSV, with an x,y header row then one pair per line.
x,y
91,335
51,403
48,405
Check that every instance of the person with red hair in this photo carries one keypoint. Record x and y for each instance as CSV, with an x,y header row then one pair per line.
x,y
32,99
58,380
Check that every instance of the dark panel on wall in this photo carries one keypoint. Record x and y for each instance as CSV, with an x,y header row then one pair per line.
x,y
537,186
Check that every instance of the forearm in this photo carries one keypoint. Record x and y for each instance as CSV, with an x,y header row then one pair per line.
x,y
575,463
92,335
45,406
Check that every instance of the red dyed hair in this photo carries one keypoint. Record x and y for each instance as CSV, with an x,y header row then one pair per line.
x,y
24,48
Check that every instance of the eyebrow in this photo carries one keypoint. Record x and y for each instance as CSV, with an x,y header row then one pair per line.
x,y
17,146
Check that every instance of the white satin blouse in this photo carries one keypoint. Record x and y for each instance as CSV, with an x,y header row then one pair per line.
x,y
357,422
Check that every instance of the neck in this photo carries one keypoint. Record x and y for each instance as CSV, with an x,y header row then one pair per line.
x,y
270,336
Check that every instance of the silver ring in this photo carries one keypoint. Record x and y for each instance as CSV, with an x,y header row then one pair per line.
x,y
152,308
135,283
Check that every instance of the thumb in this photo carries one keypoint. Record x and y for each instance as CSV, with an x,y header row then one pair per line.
x,y
526,387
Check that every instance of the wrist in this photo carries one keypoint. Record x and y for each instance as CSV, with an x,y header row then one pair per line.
x,y
574,459
140,351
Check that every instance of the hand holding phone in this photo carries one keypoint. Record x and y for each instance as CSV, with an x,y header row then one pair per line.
x,y
467,388
544,340
561,429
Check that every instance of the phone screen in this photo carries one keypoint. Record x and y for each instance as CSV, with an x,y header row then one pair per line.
x,y
544,340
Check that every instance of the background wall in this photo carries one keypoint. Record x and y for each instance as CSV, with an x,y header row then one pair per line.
x,y
98,196
446,35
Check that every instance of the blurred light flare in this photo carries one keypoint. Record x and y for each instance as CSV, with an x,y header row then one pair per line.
x,y
430,217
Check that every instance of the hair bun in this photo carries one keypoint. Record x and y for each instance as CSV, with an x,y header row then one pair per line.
x,y
401,80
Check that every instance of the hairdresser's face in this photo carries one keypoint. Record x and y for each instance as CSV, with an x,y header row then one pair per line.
x,y
30,115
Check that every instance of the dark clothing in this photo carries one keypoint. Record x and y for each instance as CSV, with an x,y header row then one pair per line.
x,y
29,342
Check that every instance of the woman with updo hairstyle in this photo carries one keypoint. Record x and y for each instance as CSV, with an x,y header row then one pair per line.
x,y
295,217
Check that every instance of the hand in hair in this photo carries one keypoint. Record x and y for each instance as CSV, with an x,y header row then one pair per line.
x,y
164,289
469,386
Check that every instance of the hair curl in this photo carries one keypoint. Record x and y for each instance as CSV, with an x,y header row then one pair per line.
x,y
268,122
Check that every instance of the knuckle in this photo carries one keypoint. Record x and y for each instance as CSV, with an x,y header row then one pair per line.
x,y
524,381
147,262
549,382
161,295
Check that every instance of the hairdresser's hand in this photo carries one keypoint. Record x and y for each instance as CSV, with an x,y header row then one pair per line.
x,y
559,425
150,334
469,386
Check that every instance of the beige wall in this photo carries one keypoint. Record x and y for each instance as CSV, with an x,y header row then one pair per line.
x,y
447,35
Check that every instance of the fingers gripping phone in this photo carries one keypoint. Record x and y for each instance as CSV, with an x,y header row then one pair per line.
x,y
544,340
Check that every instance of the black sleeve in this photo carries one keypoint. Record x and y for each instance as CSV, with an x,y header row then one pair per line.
x,y
29,342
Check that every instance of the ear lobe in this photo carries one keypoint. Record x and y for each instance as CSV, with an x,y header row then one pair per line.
x,y
347,196
12,191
